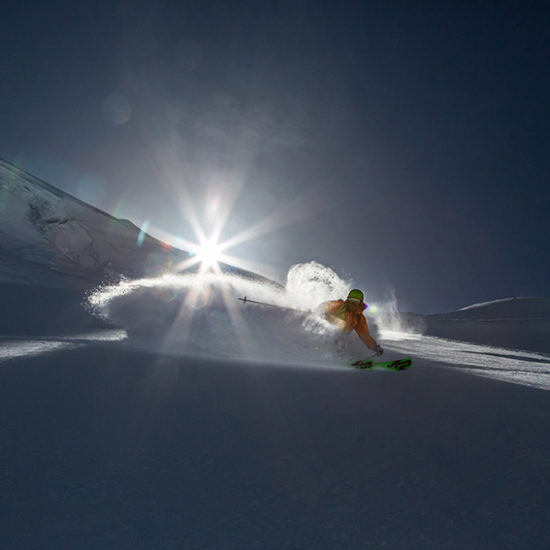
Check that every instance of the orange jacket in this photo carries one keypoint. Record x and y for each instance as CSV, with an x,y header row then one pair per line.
x,y
337,313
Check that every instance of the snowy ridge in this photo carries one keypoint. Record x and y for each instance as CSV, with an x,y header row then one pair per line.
x,y
45,230
10,174
506,308
47,236
482,304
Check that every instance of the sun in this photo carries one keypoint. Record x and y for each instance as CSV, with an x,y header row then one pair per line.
x,y
209,253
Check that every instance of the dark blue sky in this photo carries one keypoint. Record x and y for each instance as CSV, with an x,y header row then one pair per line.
x,y
406,146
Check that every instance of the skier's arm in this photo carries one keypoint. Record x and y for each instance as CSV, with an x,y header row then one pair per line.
x,y
362,330
321,309
326,309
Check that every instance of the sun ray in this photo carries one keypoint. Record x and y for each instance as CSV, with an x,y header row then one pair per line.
x,y
184,319
237,320
304,206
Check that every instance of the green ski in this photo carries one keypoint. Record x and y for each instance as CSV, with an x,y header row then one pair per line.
x,y
399,364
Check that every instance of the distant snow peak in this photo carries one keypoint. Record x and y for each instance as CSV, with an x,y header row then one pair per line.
x,y
482,304
506,308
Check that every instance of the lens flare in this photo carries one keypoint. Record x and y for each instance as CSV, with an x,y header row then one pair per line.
x,y
143,232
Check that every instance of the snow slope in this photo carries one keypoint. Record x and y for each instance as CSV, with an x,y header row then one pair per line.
x,y
519,323
108,447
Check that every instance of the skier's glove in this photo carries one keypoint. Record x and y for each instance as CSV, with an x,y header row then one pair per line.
x,y
378,349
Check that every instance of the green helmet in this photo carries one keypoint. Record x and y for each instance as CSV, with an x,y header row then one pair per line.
x,y
355,293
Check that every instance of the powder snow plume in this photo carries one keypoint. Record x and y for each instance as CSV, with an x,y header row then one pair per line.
x,y
201,314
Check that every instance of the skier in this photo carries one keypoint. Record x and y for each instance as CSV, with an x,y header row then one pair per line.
x,y
348,316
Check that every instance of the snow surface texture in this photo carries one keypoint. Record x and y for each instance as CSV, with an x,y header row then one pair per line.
x,y
107,447
12,348
201,315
